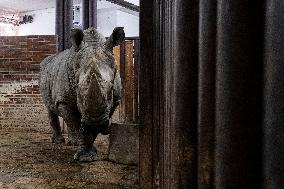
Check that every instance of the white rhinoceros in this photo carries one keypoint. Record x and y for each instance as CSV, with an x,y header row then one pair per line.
x,y
82,85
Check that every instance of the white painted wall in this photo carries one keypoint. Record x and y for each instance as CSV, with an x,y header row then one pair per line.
x,y
8,30
130,23
135,2
108,19
43,23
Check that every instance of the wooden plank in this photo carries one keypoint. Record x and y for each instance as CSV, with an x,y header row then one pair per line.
x,y
129,82
168,103
122,76
116,114
116,52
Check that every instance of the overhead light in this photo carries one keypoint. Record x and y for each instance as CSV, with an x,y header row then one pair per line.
x,y
26,19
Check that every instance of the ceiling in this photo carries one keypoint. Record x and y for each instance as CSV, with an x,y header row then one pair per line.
x,y
25,5
28,5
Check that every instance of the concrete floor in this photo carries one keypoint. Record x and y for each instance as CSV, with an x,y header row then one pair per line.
x,y
31,161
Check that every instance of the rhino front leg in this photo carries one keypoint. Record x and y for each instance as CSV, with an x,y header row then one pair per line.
x,y
56,130
86,151
72,119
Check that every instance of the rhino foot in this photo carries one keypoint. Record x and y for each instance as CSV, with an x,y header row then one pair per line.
x,y
72,142
58,139
86,155
105,129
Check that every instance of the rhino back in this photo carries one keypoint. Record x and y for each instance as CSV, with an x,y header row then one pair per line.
x,y
57,79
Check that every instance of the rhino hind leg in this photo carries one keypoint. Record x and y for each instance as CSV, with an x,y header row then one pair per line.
x,y
54,122
72,119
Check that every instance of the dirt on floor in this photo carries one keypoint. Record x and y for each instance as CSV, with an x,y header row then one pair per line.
x,y
31,161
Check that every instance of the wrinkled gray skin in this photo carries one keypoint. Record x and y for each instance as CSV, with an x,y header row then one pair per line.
x,y
82,85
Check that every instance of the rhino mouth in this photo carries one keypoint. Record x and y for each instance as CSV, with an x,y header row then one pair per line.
x,y
96,120
97,125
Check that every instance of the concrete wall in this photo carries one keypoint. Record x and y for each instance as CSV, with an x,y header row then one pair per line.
x,y
129,22
21,106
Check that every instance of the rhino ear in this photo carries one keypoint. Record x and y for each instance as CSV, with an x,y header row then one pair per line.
x,y
77,36
117,36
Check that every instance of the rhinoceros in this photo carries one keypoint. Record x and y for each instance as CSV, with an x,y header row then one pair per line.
x,y
82,85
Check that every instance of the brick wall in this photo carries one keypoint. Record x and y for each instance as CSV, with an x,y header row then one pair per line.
x,y
21,106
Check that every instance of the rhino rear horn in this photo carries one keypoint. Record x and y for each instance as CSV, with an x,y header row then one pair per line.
x,y
77,36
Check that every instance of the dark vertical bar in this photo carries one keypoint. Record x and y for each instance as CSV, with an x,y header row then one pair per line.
x,y
68,22
85,10
238,94
93,13
206,93
185,87
169,77
274,96
157,51
136,78
146,95
59,11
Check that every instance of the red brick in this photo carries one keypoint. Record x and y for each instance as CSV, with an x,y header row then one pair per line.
x,y
19,61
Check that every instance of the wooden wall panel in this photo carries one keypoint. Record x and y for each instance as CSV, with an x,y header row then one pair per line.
x,y
129,82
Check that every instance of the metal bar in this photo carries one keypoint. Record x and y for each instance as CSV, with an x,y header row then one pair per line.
x,y
125,4
68,22
206,94
59,9
146,164
85,11
136,79
127,38
93,13
131,38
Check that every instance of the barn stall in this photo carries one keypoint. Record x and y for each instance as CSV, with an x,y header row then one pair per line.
x,y
28,159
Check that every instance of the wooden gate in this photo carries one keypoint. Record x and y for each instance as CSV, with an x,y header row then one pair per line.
x,y
127,59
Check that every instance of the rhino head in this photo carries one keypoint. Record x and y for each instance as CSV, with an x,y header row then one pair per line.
x,y
97,77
